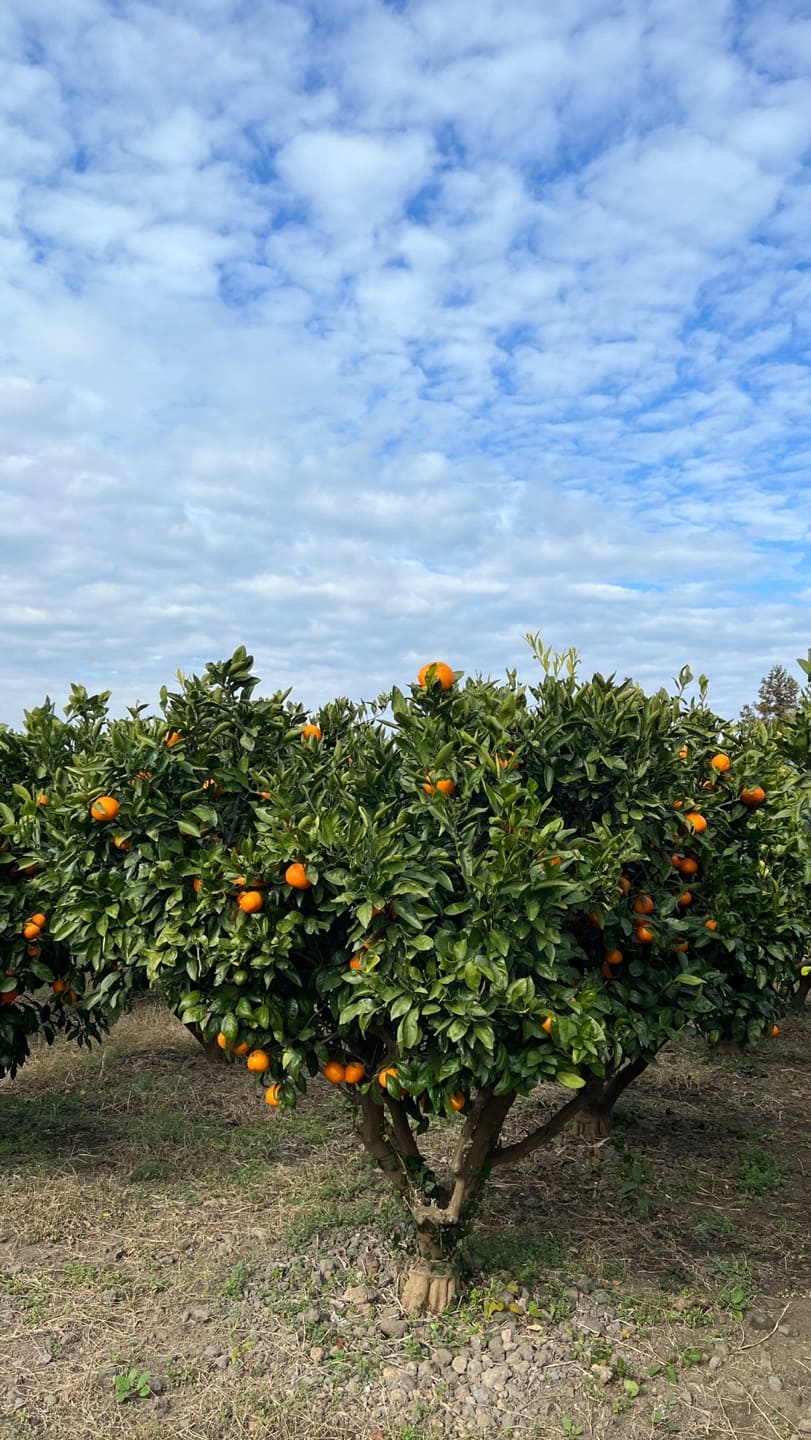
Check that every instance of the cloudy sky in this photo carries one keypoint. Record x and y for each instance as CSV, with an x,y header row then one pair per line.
x,y
368,332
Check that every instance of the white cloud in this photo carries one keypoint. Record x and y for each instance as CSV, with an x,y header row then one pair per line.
x,y
358,334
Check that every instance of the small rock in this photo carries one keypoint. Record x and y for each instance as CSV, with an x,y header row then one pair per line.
x,y
583,1284
443,1357
774,1383
497,1378
601,1297
553,1374
716,1362
572,1294
221,1362
736,1390
392,1376
507,1337
358,1294
495,1348
199,1314
398,1397
786,1330
804,1426
759,1321
459,1364
156,1384
317,1354
392,1326
721,1348
603,1374
424,1370
474,1368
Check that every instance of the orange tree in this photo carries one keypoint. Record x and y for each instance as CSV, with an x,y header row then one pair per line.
x,y
439,899
41,989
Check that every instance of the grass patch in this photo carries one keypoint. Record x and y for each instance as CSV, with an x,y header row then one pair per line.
x,y
758,1173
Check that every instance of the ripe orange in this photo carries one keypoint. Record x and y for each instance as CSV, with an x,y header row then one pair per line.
x,y
196,884
242,1048
643,905
680,948
721,763
264,795
39,919
445,787
383,1076
546,1025
644,934
356,963
683,753
710,924
697,822
441,674
613,957
354,1072
677,804
222,1041
31,931
625,884
685,864
173,737
753,795
457,1101
7,997
335,1072
273,1094
32,951
311,732
105,808
258,1062
606,971
121,842
296,876
686,897
43,800
775,1031
59,987
250,901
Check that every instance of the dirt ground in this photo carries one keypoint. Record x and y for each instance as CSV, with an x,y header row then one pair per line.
x,y
175,1259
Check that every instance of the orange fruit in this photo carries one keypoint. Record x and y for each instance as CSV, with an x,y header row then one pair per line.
x,y
625,884
356,963
686,897
105,808
31,931
264,794
273,1094
721,763
696,822
546,1025
7,997
32,951
383,1076
354,1072
457,1101
645,935
311,732
595,919
222,1041
680,948
685,864
196,884
683,753
296,876
59,987
173,737
43,800
39,919
335,1072
613,957
606,971
445,787
121,842
250,901
677,804
441,674
643,905
258,1062
752,795
775,1031
710,924
242,1048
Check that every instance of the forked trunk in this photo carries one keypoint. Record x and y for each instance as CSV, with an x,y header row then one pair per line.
x,y
595,1118
593,1123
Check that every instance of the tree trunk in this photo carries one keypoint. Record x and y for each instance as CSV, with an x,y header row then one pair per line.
x,y
211,1048
729,1047
594,1120
430,1285
800,995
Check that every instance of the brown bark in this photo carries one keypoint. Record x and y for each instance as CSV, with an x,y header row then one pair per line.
x,y
211,1048
594,1122
800,995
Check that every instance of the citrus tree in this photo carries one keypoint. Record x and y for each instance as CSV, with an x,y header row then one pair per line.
x,y
439,899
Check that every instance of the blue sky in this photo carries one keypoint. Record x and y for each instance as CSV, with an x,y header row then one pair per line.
x,y
364,334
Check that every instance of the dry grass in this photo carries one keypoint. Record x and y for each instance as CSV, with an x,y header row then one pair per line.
x,y
142,1186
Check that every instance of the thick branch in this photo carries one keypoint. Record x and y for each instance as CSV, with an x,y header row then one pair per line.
x,y
381,1150
506,1154
404,1140
476,1147
621,1080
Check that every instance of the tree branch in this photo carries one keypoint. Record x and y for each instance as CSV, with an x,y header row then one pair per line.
x,y
507,1154
381,1150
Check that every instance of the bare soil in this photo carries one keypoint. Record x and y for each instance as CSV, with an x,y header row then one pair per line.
x,y
174,1258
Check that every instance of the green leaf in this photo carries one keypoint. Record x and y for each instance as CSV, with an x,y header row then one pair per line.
x,y
570,1079
690,979
186,828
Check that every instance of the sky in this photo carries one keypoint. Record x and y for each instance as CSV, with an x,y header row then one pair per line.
x,y
370,332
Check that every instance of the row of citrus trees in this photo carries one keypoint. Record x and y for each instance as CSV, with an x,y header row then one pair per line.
x,y
438,899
